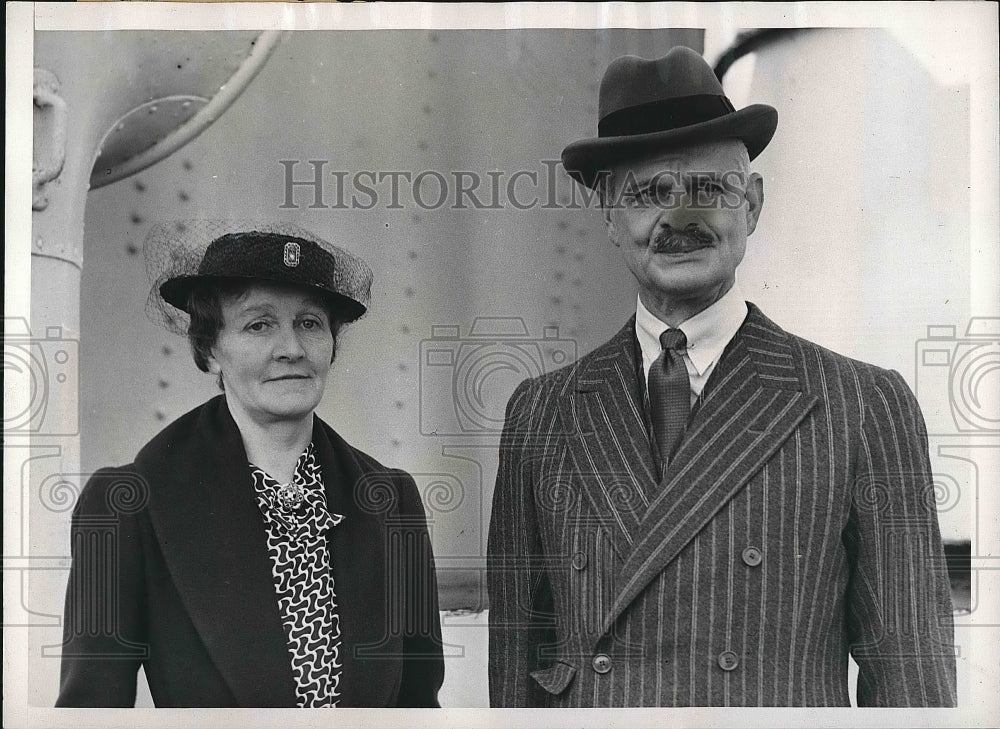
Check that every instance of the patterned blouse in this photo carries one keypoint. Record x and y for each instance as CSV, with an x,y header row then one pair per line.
x,y
297,521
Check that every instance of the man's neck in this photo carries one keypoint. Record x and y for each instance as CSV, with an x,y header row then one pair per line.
x,y
675,310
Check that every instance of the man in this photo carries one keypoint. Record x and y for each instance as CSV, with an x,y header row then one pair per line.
x,y
708,510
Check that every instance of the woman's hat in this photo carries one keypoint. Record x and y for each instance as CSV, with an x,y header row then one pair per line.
x,y
673,101
182,255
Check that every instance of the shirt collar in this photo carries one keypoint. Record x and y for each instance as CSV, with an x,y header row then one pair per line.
x,y
708,332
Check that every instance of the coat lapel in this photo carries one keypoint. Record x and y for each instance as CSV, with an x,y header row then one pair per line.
x,y
752,404
212,536
608,441
213,540
358,551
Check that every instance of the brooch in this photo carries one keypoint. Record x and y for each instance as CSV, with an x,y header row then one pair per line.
x,y
290,496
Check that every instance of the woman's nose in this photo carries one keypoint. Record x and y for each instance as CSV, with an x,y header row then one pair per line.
x,y
288,345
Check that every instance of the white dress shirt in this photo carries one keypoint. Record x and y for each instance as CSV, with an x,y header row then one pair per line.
x,y
708,332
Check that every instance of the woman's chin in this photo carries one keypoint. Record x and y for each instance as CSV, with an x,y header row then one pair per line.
x,y
295,411
286,408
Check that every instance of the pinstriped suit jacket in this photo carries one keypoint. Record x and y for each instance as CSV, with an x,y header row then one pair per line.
x,y
795,524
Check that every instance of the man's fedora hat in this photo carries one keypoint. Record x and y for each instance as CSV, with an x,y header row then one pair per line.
x,y
277,256
673,101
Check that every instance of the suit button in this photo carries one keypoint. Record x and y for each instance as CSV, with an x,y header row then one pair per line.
x,y
728,660
752,556
602,663
579,561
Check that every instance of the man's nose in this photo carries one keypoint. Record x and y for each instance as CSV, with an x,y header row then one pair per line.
x,y
680,210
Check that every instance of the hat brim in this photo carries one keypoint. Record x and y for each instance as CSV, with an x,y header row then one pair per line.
x,y
175,292
586,159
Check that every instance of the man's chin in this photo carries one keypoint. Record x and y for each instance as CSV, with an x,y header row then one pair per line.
x,y
685,282
692,268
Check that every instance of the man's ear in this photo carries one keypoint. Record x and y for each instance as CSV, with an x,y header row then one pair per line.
x,y
611,225
755,200
604,195
607,205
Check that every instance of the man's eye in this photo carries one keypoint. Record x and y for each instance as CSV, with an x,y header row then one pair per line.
x,y
709,186
310,324
638,197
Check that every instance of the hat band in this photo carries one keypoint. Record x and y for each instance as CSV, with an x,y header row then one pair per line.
x,y
664,114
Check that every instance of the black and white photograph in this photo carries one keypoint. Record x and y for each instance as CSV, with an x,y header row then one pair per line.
x,y
438,362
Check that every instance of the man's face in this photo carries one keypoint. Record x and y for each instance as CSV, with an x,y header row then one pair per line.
x,y
682,219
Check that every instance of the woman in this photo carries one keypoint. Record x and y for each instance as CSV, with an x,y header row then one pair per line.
x,y
249,556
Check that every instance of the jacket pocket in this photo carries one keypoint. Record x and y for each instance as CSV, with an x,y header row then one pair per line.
x,y
555,678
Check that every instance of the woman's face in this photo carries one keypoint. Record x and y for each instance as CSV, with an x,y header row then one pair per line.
x,y
274,352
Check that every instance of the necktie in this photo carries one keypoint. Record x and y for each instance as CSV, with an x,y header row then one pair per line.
x,y
669,394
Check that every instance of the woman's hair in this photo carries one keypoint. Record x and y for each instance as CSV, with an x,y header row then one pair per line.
x,y
204,305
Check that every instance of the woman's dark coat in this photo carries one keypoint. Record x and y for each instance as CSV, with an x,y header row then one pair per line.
x,y
171,573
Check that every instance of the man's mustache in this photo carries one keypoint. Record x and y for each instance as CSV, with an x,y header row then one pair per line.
x,y
671,240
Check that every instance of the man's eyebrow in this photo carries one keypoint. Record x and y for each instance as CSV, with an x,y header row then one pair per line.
x,y
706,174
673,175
645,181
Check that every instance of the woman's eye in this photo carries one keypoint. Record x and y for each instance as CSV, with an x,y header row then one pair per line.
x,y
256,326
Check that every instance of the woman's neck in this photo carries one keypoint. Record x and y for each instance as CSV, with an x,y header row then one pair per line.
x,y
274,446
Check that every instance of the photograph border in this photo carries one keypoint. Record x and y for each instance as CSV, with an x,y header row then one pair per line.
x,y
976,20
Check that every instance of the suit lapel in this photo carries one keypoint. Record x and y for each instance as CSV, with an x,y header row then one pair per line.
x,y
754,403
212,536
608,441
